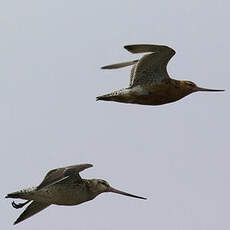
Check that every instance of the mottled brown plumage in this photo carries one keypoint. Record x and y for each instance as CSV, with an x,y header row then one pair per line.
x,y
150,83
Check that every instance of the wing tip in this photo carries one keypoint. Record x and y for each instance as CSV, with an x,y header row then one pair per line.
x,y
127,47
137,48
16,222
85,166
143,48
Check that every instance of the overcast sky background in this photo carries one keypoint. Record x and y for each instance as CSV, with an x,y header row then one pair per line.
x,y
176,155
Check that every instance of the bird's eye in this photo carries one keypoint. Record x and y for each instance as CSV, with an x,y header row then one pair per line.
x,y
104,183
189,83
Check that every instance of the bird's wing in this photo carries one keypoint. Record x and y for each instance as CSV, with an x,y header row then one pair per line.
x,y
60,174
123,64
32,209
132,74
151,68
120,65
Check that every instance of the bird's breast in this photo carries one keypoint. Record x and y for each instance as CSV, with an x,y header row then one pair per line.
x,y
156,94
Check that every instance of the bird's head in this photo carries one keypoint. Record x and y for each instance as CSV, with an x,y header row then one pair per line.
x,y
101,186
191,87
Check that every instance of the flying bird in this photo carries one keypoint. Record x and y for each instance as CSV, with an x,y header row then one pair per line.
x,y
61,186
150,83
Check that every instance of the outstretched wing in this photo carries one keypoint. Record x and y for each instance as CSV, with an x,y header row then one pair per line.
x,y
32,209
132,74
124,64
60,174
151,68
120,65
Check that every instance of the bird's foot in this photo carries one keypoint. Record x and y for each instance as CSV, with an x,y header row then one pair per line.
x,y
19,205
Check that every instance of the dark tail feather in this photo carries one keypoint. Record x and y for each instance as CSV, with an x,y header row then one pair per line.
x,y
103,98
14,195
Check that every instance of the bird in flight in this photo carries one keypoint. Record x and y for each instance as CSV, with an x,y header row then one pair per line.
x,y
150,83
61,186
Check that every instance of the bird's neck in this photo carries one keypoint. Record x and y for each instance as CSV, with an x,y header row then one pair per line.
x,y
181,86
91,187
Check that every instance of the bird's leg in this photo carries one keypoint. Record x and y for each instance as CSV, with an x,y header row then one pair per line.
x,y
19,205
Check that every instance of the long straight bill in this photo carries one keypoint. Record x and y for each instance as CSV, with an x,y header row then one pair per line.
x,y
125,193
208,90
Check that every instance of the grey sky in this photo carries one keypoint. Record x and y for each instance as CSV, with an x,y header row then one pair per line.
x,y
176,155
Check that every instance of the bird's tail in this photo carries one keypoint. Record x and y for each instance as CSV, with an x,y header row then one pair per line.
x,y
113,96
23,194
106,97
14,195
